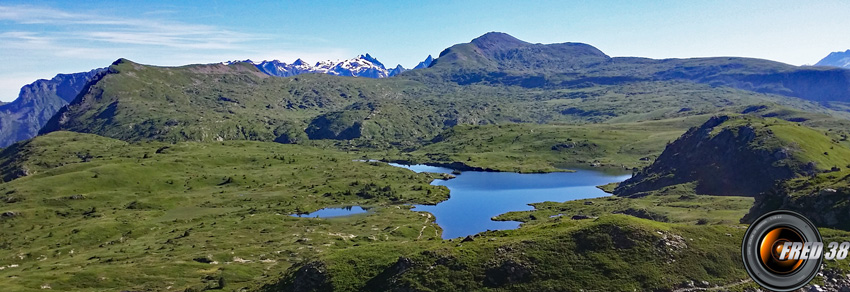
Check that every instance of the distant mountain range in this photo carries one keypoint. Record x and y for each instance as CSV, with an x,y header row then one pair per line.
x,y
836,59
40,100
495,59
37,102
498,58
362,66
494,79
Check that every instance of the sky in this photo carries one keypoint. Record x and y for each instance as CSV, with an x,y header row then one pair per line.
x,y
39,39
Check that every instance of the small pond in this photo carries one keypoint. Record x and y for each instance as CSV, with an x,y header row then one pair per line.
x,y
333,212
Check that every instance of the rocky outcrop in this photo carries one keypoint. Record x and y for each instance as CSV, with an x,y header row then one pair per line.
x,y
645,214
508,272
389,279
9,215
724,156
310,277
670,245
341,125
825,207
609,236
833,280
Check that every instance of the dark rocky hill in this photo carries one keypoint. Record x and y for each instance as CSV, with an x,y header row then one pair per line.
x,y
740,155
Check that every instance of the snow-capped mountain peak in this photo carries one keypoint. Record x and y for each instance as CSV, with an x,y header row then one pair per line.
x,y
362,66
836,59
372,60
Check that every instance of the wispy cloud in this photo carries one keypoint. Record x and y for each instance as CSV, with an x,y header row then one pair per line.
x,y
160,12
24,37
120,31
29,14
44,41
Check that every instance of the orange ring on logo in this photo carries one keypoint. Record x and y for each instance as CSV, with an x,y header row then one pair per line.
x,y
770,250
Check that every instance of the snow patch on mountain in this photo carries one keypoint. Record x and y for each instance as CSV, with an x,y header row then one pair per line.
x,y
836,59
361,66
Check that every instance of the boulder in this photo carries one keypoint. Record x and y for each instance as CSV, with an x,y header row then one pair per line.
x,y
582,217
507,273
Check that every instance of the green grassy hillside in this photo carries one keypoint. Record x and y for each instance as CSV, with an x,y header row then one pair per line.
x,y
57,149
153,216
98,214
614,253
823,198
204,102
134,102
536,148
722,156
529,147
158,216
184,178
498,58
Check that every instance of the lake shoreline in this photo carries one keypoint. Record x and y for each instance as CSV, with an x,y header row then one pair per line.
x,y
565,167
476,197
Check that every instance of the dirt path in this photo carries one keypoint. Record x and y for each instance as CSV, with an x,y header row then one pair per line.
x,y
424,226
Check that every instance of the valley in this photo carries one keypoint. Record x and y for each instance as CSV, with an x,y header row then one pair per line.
x,y
193,178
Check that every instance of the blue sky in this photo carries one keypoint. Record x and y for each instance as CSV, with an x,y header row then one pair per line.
x,y
40,39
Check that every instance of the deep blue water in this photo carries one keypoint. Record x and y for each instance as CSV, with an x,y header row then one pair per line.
x,y
333,212
478,196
